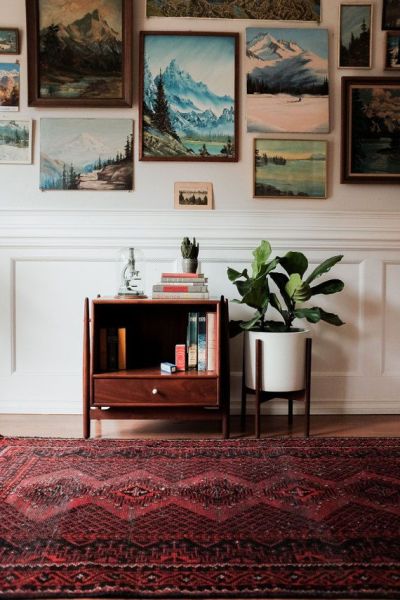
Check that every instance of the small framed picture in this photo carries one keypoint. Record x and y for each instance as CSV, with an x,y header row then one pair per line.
x,y
9,87
391,14
193,195
355,27
370,130
290,168
16,141
392,51
9,41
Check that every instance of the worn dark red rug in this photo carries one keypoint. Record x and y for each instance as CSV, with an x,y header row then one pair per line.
x,y
276,518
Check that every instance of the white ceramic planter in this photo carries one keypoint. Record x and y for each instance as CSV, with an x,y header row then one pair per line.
x,y
283,360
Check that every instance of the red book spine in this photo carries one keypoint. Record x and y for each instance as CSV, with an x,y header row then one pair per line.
x,y
180,357
185,275
177,288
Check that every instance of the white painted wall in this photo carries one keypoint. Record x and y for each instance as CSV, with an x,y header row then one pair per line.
x,y
58,247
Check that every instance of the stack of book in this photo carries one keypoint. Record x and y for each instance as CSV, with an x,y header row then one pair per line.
x,y
181,285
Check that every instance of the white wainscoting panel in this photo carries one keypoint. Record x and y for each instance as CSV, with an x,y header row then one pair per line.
x,y
51,260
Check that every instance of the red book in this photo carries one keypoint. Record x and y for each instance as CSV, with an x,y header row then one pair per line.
x,y
183,275
178,288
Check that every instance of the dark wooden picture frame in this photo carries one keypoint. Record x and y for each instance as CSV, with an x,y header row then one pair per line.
x,y
35,98
390,15
15,33
370,132
167,144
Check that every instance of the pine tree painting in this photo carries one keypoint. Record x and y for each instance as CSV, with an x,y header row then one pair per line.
x,y
355,36
188,111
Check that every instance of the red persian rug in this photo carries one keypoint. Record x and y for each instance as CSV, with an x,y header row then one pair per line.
x,y
276,518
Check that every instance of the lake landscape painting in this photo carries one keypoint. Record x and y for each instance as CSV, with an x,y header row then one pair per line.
x,y
371,130
15,141
78,52
283,10
86,154
9,87
355,36
287,80
290,168
188,111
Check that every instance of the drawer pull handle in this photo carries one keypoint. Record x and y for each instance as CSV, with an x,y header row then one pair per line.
x,y
154,391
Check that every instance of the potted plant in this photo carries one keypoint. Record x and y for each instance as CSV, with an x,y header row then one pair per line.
x,y
283,344
190,252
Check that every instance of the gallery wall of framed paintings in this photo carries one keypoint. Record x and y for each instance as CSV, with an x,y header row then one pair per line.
x,y
198,92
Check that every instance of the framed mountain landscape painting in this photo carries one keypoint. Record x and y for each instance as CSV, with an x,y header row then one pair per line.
x,y
188,96
295,10
370,130
287,80
86,154
79,53
290,168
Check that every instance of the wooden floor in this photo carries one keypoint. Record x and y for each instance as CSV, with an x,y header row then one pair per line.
x,y
321,425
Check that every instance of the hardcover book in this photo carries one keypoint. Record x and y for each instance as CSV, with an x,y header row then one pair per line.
x,y
211,341
179,280
191,341
181,295
112,348
175,287
182,275
202,342
121,348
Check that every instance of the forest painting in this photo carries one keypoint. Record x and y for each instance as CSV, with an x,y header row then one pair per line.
x,y
287,80
371,130
9,87
15,141
355,36
290,168
392,50
283,10
86,154
80,50
188,110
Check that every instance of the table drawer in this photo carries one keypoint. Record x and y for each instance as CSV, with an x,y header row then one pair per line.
x,y
147,392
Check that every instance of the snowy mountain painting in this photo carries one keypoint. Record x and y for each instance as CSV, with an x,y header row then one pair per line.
x,y
15,141
80,49
287,80
188,108
86,154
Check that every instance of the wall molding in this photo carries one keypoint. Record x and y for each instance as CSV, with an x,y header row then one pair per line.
x,y
236,229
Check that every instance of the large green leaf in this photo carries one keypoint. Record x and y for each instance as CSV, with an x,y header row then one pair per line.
x,y
261,255
293,284
274,301
313,315
324,267
251,323
280,279
331,318
257,295
243,287
233,274
303,293
294,262
328,287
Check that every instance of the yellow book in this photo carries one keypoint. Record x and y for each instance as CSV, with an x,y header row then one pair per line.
x,y
121,348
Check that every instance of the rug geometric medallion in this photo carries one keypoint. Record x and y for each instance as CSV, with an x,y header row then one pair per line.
x,y
270,518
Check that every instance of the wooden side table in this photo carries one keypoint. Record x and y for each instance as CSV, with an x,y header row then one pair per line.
x,y
262,396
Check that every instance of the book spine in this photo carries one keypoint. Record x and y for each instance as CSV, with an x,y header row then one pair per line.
x,y
121,348
180,357
181,295
182,275
211,341
189,289
191,342
202,342
103,349
112,348
182,280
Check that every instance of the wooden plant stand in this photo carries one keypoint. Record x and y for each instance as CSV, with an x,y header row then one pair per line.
x,y
261,396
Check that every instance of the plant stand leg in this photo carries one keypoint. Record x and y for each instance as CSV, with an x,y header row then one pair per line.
x,y
258,386
290,412
308,387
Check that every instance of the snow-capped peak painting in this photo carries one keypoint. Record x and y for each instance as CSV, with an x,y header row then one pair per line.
x,y
287,80
189,109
